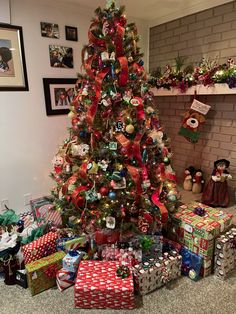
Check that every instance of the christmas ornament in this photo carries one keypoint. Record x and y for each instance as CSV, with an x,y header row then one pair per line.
x,y
92,168
92,196
129,129
103,164
113,145
112,195
57,163
79,150
103,191
105,56
110,222
119,126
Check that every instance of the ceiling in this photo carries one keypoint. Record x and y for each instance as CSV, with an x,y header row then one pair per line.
x,y
154,10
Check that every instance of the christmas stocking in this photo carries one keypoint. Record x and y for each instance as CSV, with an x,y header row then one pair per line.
x,y
192,120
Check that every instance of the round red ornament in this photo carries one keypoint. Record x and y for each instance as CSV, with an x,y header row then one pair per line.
x,y
103,190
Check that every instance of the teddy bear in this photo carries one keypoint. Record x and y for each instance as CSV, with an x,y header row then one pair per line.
x,y
198,182
192,120
188,177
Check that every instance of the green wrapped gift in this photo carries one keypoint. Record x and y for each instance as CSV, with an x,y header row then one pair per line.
x,y
41,274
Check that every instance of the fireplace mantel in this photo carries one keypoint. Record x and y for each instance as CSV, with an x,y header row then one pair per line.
x,y
216,89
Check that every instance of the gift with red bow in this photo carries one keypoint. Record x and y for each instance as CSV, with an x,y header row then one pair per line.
x,y
41,274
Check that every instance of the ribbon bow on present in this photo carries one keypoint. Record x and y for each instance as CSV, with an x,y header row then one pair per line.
x,y
199,211
51,271
123,271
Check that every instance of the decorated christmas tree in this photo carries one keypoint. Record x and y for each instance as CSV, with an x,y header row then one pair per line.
x,y
113,172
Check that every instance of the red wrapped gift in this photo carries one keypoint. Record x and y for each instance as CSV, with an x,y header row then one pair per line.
x,y
98,286
44,246
107,236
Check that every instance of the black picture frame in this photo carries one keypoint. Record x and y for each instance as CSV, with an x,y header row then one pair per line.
x,y
71,33
13,72
58,95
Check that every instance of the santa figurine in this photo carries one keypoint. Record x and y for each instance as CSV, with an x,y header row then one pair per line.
x,y
216,192
198,182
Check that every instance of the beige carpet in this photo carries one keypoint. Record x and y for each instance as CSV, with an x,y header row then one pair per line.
x,y
207,296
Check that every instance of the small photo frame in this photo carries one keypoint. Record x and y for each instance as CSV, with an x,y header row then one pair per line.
x,y
13,74
61,57
50,30
59,93
71,33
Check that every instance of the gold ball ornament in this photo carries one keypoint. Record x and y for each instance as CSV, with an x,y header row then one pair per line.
x,y
92,168
71,115
129,128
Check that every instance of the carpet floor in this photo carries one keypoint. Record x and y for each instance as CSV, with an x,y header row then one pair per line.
x,y
207,296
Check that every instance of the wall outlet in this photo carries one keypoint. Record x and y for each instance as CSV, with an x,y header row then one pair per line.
x,y
27,199
3,203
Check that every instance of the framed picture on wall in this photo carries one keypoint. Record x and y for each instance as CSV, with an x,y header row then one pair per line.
x,y
49,30
61,57
71,33
13,74
59,93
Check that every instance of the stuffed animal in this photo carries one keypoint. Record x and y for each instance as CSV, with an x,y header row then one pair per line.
x,y
198,182
188,176
216,192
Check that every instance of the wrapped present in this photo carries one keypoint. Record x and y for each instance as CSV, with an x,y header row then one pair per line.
x,y
169,245
21,278
98,286
71,261
225,254
124,255
191,264
39,248
106,236
151,246
41,274
65,279
198,233
44,211
223,218
155,273
27,218
72,243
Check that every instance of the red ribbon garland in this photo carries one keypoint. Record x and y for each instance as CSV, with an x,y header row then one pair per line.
x,y
132,147
160,205
120,31
123,79
134,173
98,85
93,39
78,200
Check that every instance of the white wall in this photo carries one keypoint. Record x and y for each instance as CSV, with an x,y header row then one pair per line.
x,y
4,11
29,138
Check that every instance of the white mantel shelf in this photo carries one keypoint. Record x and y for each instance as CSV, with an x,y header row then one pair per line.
x,y
216,89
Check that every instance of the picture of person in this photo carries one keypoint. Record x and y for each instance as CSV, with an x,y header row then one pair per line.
x,y
71,33
61,57
6,61
67,60
49,30
63,97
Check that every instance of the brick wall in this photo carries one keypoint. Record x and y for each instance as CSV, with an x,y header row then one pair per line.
x,y
209,33
218,134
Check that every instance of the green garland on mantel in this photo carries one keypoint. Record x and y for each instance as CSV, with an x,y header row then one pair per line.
x,y
207,73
